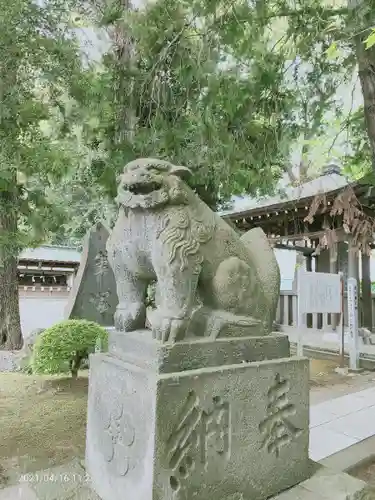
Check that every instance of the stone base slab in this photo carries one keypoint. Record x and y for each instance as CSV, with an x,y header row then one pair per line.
x,y
218,433
140,349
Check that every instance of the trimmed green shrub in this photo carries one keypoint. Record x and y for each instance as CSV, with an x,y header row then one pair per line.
x,y
64,346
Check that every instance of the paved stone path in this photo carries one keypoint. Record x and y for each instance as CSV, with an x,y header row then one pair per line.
x,y
334,425
341,422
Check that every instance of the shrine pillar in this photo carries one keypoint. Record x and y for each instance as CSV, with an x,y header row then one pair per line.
x,y
366,292
309,263
333,269
323,261
342,250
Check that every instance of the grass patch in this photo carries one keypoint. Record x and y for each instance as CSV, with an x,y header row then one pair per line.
x,y
43,422
322,373
365,470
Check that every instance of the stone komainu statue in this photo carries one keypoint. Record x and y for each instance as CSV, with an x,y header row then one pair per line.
x,y
210,281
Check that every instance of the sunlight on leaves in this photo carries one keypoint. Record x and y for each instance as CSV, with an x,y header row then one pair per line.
x,y
332,52
370,40
76,20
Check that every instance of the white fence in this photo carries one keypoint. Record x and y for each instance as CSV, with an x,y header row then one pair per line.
x,y
287,314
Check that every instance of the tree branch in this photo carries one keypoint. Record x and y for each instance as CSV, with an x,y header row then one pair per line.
x,y
303,12
289,170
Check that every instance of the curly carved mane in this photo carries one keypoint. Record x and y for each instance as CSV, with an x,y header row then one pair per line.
x,y
183,232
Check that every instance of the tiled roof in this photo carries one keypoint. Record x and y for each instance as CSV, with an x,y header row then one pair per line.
x,y
323,184
52,254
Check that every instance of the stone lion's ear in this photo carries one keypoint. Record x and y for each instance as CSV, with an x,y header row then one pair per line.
x,y
181,171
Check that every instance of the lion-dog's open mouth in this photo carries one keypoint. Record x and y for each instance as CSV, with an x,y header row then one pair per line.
x,y
144,188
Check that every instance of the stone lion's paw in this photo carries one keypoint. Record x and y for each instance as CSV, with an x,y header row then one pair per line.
x,y
171,329
131,318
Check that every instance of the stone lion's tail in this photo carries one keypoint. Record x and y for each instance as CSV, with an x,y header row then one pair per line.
x,y
264,261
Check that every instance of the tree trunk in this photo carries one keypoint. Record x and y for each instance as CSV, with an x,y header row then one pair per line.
x,y
123,47
75,363
10,327
289,170
366,66
366,70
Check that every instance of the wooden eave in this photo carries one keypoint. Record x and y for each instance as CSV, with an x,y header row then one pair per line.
x,y
297,204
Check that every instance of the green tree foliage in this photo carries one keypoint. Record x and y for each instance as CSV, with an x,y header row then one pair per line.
x,y
352,35
194,92
357,162
65,345
39,62
370,40
229,89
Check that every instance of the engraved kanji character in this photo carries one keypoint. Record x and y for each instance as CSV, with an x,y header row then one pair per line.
x,y
276,427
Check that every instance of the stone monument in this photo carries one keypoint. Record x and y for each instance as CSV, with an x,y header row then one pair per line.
x,y
207,404
93,296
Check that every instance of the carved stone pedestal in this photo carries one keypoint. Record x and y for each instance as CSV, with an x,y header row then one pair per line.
x,y
160,427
